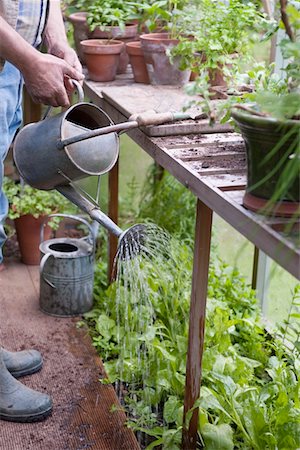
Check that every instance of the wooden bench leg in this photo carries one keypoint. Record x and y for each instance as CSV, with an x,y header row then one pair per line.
x,y
197,322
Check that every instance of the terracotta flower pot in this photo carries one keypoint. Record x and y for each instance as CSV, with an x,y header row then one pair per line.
x,y
137,61
28,230
264,165
102,58
81,31
128,34
160,70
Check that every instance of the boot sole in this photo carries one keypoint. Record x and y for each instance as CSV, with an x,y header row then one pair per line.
x,y
28,418
23,373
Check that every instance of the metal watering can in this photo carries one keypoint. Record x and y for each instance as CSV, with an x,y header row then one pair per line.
x,y
74,144
67,272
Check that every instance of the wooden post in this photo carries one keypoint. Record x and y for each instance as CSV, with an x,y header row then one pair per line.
x,y
254,268
113,212
32,112
197,322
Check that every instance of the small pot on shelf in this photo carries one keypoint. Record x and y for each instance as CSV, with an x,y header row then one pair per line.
x,y
102,58
128,34
137,61
160,69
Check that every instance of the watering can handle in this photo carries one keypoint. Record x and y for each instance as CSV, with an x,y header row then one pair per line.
x,y
42,266
79,90
80,97
68,216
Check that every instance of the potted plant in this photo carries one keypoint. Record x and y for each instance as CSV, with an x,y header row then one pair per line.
x,y
113,20
28,209
157,46
270,126
218,35
102,58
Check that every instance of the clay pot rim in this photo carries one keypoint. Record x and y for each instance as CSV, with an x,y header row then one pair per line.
x,y
129,31
134,48
110,46
253,120
77,17
158,37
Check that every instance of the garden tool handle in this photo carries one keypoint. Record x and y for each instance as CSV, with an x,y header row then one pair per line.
x,y
135,121
153,118
80,97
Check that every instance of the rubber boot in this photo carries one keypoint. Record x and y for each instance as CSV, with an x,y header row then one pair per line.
x,y
22,363
19,403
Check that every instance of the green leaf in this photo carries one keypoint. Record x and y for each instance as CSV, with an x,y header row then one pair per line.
x,y
217,437
171,409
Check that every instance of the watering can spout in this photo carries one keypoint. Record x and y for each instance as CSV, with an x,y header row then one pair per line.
x,y
131,241
92,210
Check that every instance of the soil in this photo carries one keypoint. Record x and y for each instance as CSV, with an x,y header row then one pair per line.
x,y
82,415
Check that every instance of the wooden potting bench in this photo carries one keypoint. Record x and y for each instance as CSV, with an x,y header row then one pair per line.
x,y
213,167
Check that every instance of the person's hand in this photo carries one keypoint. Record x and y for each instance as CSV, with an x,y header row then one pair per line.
x,y
68,54
46,79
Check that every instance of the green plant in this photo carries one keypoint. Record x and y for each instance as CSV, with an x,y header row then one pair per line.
x,y
23,199
161,15
250,386
103,14
222,34
73,6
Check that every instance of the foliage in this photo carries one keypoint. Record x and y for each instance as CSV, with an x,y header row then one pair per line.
x,y
161,15
24,199
155,203
222,33
72,6
250,380
105,13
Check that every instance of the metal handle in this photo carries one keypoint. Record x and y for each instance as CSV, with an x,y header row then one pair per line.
x,y
69,216
79,90
42,266
80,97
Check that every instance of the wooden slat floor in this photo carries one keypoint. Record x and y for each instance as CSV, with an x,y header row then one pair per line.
x,y
82,417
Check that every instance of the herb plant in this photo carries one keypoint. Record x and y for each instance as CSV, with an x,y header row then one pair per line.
x,y
222,33
107,13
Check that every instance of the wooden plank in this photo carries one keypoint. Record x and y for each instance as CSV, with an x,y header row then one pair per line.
x,y
186,127
201,156
218,140
227,181
197,322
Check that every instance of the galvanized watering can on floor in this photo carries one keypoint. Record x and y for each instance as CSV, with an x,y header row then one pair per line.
x,y
67,272
77,143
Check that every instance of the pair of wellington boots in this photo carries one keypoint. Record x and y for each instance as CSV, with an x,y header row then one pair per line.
x,y
19,403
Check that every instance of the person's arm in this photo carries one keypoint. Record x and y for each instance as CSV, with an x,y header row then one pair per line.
x,y
55,37
44,75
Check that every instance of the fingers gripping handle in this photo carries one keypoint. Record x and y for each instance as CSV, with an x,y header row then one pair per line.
x,y
80,94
